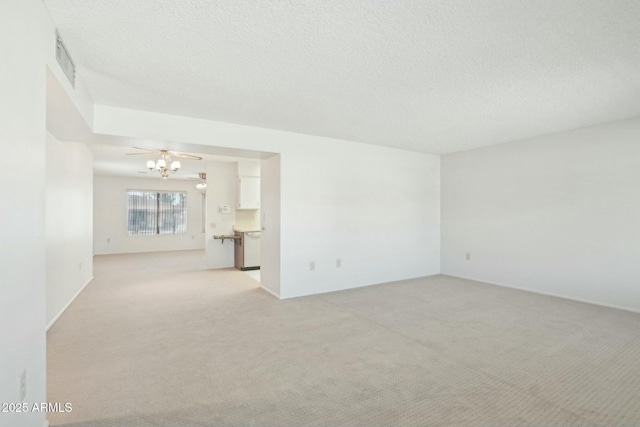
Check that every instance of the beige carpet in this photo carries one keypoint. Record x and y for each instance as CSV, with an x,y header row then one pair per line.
x,y
155,340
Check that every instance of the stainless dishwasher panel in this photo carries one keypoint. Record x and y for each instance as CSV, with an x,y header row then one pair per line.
x,y
251,243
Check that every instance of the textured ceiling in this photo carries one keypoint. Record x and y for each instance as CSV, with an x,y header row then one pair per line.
x,y
433,76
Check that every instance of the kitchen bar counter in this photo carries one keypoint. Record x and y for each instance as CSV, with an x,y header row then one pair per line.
x,y
246,230
229,237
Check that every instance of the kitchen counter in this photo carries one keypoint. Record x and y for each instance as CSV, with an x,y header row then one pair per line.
x,y
227,237
246,230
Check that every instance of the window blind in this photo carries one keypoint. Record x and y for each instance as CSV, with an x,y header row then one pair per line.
x,y
151,213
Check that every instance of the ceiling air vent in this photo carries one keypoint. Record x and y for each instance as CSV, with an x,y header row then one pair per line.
x,y
65,61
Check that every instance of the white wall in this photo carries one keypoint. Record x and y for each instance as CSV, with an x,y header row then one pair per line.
x,y
221,190
110,216
69,222
248,167
376,208
27,45
557,215
248,219
271,224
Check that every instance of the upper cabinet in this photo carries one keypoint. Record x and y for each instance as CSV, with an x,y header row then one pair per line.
x,y
248,192
248,184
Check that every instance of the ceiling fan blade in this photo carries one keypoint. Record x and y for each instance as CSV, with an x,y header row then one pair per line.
x,y
185,156
138,154
145,149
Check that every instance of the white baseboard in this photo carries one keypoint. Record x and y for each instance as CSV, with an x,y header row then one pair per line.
x,y
348,288
533,291
270,291
68,304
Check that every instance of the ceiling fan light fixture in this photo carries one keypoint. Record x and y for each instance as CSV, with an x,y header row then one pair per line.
x,y
202,185
165,163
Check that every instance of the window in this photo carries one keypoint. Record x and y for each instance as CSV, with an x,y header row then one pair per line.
x,y
150,213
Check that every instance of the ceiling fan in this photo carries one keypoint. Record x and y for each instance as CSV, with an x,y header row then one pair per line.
x,y
202,181
165,163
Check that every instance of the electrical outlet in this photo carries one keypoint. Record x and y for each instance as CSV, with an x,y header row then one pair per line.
x,y
225,217
338,263
212,225
23,385
80,266
312,265
467,256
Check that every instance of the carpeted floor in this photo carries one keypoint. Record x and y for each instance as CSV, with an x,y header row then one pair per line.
x,y
155,340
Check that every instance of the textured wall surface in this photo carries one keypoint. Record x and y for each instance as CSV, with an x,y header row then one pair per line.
x,y
555,215
377,209
430,76
24,27
68,222
110,216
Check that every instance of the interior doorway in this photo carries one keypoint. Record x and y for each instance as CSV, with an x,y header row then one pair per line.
x,y
83,167
103,159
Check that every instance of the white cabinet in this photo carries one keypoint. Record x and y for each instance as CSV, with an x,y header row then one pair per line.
x,y
248,192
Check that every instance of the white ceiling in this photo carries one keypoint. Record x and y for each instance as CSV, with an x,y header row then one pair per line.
x,y
433,76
